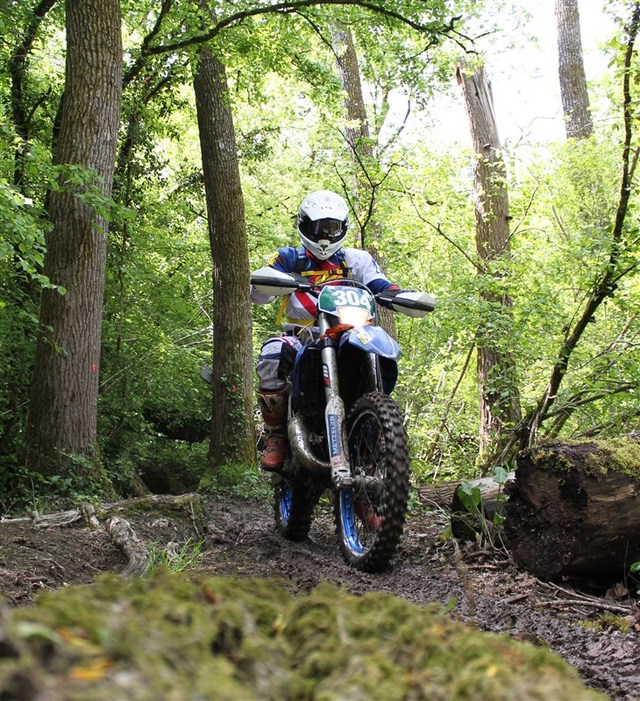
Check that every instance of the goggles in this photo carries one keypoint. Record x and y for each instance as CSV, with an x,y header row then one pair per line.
x,y
324,229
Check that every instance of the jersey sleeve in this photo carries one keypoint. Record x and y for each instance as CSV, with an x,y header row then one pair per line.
x,y
284,260
364,269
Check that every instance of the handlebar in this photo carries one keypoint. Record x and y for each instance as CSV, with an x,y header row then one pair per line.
x,y
272,282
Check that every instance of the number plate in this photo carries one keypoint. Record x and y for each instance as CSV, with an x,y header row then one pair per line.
x,y
333,297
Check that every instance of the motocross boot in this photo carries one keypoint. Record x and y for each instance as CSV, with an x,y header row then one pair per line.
x,y
273,405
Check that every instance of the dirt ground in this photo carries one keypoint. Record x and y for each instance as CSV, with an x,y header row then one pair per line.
x,y
595,630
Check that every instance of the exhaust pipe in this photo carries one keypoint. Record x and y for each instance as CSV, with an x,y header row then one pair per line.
x,y
299,444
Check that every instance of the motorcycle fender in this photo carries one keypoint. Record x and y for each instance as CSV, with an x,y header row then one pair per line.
x,y
372,339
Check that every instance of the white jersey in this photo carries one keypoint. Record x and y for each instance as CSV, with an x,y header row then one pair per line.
x,y
299,310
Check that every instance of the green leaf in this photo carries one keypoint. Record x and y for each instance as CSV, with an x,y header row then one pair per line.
x,y
500,475
470,496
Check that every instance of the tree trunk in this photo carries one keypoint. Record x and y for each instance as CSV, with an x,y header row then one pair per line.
x,y
62,418
22,294
573,83
498,392
361,144
573,509
232,430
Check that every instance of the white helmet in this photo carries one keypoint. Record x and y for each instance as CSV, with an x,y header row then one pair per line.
x,y
322,223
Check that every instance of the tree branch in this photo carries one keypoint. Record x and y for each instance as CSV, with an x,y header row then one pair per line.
x,y
604,286
580,399
137,66
433,28
439,230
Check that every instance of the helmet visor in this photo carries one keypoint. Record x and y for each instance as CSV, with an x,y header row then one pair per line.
x,y
323,229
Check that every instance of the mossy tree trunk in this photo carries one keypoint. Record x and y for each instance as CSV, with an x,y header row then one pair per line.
x,y
62,421
232,431
499,399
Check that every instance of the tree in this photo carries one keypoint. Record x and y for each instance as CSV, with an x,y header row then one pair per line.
x,y
573,83
498,391
620,261
62,420
22,114
23,220
359,138
232,436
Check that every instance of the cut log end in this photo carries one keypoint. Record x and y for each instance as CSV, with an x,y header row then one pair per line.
x,y
574,510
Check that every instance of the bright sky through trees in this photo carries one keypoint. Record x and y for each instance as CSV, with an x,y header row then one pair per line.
x,y
526,90
524,78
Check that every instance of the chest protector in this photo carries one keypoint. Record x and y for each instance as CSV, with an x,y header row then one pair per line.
x,y
301,309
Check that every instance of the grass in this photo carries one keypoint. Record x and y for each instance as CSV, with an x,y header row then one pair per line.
x,y
175,559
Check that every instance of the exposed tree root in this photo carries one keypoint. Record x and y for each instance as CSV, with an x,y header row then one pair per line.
x,y
135,551
116,519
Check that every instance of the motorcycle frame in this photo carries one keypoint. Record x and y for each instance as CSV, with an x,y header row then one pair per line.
x,y
335,414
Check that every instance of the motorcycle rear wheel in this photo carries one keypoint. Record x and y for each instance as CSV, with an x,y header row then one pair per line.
x,y
370,516
295,499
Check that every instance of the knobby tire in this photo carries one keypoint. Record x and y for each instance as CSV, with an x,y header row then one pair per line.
x,y
295,499
377,448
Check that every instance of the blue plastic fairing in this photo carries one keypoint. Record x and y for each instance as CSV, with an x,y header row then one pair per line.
x,y
372,339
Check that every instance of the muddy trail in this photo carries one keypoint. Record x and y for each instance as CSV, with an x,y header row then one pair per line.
x,y
596,629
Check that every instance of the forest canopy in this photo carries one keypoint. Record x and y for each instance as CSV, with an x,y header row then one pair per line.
x,y
119,268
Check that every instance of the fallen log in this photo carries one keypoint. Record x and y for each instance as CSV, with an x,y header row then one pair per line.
x,y
467,523
574,509
439,494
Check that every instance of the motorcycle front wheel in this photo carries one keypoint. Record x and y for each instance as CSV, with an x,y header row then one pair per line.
x,y
370,515
295,499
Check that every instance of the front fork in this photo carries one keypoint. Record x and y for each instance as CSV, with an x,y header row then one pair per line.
x,y
334,413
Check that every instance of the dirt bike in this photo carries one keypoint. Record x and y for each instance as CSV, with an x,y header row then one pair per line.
x,y
345,432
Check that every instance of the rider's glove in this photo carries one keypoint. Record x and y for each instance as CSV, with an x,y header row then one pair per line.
x,y
303,281
385,298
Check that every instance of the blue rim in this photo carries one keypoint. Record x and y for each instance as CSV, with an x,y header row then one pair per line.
x,y
348,519
284,502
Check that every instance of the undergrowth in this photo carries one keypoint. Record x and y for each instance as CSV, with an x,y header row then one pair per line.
x,y
175,558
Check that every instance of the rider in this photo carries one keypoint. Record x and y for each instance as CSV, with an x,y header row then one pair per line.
x,y
322,225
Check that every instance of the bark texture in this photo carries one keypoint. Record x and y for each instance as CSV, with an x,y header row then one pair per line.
x,y
232,432
574,510
127,540
360,140
64,390
498,394
573,82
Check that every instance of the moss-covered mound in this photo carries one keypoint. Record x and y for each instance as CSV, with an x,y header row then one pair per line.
x,y
173,639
